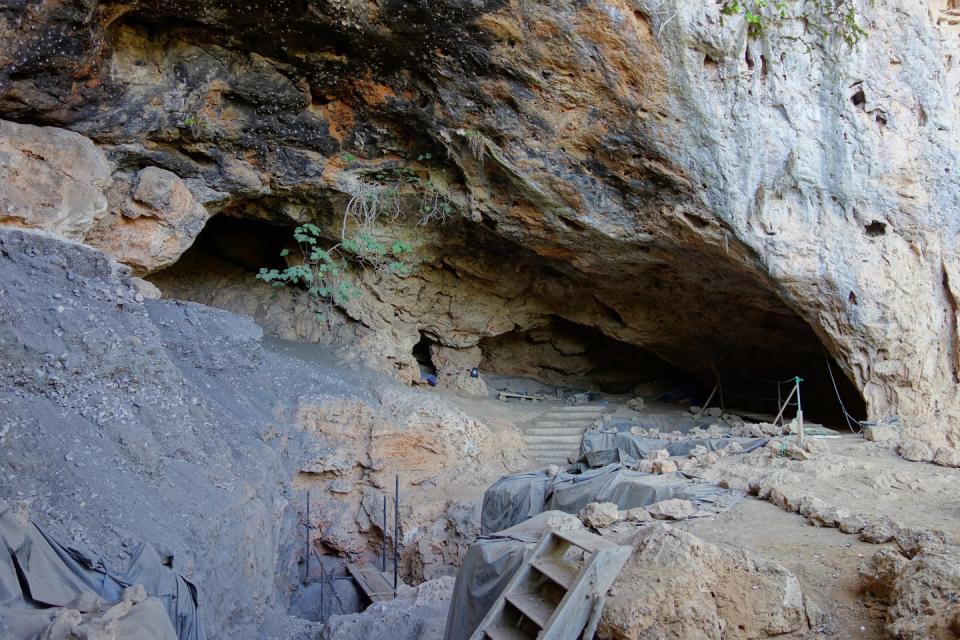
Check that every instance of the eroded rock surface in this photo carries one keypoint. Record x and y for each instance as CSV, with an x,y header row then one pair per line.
x,y
124,419
647,172
678,586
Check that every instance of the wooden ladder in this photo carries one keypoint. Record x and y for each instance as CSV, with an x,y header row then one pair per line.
x,y
556,590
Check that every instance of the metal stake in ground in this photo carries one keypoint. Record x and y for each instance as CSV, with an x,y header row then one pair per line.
x,y
396,531
383,549
306,573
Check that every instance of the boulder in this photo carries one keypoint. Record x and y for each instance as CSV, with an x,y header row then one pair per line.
x,y
664,466
673,509
51,179
154,219
947,457
637,514
599,514
881,433
878,531
678,586
915,450
922,594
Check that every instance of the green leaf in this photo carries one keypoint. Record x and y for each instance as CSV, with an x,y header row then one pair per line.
x,y
285,253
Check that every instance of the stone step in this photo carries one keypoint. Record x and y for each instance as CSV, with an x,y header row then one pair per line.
x,y
573,424
573,414
540,431
563,455
554,446
552,439
562,423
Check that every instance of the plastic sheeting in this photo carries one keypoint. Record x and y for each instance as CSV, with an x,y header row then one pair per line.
x,y
638,447
515,498
487,567
39,577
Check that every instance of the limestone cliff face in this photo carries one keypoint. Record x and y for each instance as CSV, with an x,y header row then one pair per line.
x,y
644,169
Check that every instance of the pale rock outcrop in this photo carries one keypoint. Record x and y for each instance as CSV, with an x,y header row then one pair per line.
x,y
60,181
51,179
678,586
599,514
455,367
436,451
922,593
154,218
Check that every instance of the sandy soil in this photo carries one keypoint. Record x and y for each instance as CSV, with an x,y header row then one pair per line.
x,y
824,560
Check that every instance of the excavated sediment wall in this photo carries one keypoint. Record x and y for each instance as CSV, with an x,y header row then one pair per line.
x,y
646,170
126,420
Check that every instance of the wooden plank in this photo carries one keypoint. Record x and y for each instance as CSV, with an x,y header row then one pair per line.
x,y
563,573
537,609
506,633
584,540
377,586
503,396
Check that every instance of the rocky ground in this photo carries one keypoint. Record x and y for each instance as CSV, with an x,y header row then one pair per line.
x,y
126,419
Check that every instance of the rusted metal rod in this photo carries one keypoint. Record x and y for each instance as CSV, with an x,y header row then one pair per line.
x,y
396,532
306,574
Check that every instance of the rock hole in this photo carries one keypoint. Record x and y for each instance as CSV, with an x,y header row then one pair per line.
x,y
852,298
421,353
875,228
748,57
859,99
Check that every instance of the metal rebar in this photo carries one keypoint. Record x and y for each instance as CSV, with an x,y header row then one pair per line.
x,y
396,531
383,554
306,575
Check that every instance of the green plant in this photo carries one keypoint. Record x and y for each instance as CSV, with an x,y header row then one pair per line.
x,y
323,271
837,18
374,194
196,123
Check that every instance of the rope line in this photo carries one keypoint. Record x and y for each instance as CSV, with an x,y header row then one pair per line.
x,y
852,423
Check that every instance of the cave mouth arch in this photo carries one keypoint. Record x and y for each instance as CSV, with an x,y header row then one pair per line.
x,y
566,354
658,321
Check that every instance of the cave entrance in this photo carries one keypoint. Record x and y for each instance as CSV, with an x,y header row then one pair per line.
x,y
752,382
421,353
227,253
564,353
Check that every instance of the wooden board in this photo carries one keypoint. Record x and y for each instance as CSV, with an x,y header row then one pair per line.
x,y
375,584
503,396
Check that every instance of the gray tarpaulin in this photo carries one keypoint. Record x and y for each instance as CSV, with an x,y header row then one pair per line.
x,y
487,568
638,447
39,577
628,489
514,498
535,492
670,422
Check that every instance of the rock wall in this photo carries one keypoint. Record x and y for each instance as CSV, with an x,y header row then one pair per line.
x,y
645,169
